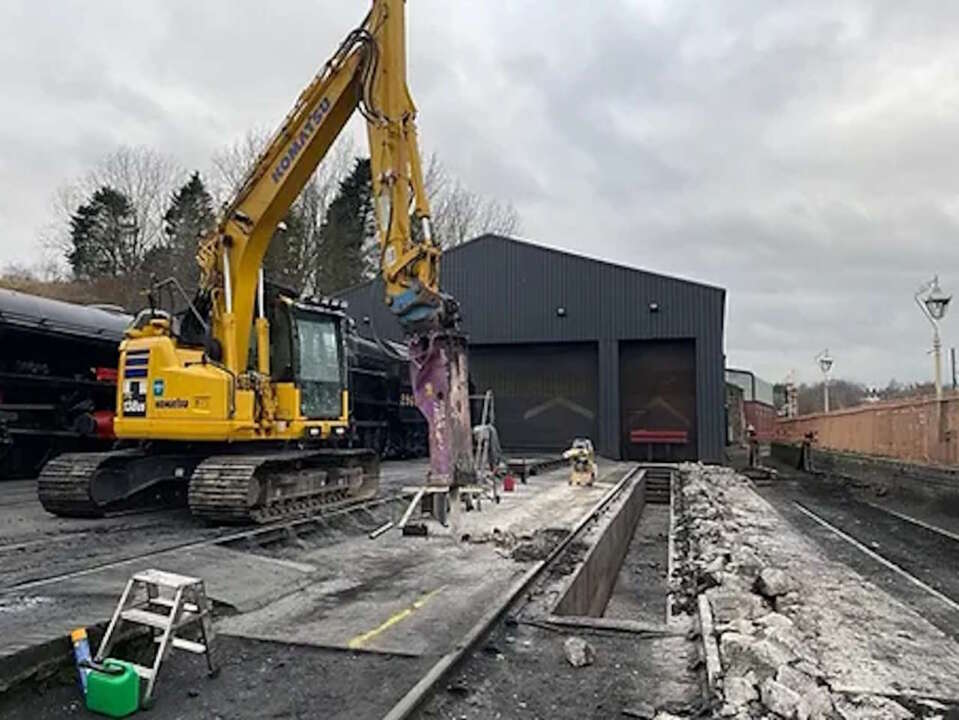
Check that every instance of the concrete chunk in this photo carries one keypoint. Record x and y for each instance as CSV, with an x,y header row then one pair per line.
x,y
780,699
741,654
773,582
579,653
819,704
740,691
795,680
728,606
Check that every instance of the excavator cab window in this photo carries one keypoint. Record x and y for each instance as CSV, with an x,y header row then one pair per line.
x,y
281,342
320,364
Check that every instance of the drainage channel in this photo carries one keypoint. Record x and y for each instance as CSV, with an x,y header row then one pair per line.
x,y
641,590
622,578
527,665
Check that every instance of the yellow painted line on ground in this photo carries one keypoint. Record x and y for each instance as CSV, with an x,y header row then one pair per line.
x,y
361,640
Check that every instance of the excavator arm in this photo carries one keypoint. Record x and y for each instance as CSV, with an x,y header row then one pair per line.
x,y
367,73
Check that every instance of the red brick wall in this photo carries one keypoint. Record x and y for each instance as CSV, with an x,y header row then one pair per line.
x,y
763,418
912,430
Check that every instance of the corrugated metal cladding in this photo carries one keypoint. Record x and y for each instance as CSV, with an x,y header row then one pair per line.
x,y
518,294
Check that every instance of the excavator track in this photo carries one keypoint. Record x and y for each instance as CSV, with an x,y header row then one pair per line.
x,y
235,489
65,482
240,489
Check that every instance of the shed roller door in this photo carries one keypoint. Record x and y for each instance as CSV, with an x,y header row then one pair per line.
x,y
657,387
545,394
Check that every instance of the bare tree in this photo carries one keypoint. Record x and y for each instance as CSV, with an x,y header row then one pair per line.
x,y
46,269
230,164
459,213
296,258
146,177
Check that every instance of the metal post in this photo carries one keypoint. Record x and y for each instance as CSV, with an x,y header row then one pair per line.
x,y
227,287
937,357
933,306
952,352
260,308
825,365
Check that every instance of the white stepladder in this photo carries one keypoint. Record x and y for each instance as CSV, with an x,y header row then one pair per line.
x,y
166,603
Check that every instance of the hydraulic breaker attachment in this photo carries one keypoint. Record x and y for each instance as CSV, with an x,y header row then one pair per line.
x,y
440,386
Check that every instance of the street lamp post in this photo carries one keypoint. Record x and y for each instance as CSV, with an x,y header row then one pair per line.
x,y
933,306
825,365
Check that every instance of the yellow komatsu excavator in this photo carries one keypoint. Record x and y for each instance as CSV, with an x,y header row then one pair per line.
x,y
241,402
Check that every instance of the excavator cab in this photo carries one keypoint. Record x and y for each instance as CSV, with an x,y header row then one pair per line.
x,y
320,370
307,349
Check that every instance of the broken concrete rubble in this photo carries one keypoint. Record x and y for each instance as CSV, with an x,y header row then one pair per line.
x,y
773,582
742,655
780,699
731,605
579,653
734,549
740,691
760,646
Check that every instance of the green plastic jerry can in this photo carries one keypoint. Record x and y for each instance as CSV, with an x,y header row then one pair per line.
x,y
114,691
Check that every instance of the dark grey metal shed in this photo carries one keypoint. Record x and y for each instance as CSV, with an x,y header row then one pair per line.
x,y
574,346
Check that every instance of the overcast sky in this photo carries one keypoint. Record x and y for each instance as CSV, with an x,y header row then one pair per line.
x,y
805,156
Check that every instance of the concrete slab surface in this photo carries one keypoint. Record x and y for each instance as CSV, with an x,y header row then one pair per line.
x,y
239,580
412,595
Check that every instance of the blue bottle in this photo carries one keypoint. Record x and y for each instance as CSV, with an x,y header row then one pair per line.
x,y
81,654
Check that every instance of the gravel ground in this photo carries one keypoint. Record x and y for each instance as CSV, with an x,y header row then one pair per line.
x,y
522,672
258,680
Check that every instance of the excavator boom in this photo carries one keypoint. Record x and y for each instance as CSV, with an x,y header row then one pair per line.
x,y
367,73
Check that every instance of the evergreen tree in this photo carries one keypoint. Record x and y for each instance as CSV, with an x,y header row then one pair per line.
x,y
346,230
105,236
189,217
284,263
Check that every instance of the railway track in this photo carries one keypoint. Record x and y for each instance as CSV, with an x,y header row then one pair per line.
x,y
910,558
262,535
903,545
882,559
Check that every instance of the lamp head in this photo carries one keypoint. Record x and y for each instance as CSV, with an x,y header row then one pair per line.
x,y
825,361
936,301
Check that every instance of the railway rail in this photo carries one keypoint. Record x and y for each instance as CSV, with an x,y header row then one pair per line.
x,y
912,559
258,534
894,561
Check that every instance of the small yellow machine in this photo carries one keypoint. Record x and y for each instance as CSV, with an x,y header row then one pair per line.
x,y
582,462
241,400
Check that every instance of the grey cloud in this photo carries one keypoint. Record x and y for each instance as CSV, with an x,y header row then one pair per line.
x,y
801,155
